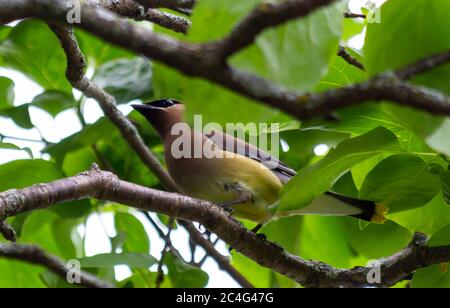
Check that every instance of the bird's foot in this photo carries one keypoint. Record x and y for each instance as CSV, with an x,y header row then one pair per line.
x,y
228,209
261,236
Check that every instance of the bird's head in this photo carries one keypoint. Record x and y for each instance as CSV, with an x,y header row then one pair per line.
x,y
162,113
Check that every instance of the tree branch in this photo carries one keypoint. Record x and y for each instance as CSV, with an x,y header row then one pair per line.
x,y
344,54
201,60
181,6
75,74
264,16
35,255
424,65
353,15
106,186
133,9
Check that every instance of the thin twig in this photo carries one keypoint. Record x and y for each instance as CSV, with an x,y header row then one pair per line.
x,y
167,245
35,255
353,15
344,54
7,231
424,65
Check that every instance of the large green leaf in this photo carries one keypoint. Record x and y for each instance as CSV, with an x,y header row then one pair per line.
x,y
323,239
360,119
301,48
401,182
375,241
428,218
125,79
27,172
435,276
340,74
183,275
34,50
91,134
136,237
97,51
316,179
422,28
54,101
6,92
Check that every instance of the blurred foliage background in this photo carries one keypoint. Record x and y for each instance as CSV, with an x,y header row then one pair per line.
x,y
378,151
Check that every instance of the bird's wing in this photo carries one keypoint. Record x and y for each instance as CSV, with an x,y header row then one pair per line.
x,y
234,145
330,203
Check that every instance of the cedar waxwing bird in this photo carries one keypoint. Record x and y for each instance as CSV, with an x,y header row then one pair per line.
x,y
233,173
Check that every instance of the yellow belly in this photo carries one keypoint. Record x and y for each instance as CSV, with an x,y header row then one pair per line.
x,y
207,178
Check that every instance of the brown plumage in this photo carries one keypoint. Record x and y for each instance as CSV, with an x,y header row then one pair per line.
x,y
230,168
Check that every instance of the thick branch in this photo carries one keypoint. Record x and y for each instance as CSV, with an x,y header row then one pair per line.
x,y
36,255
133,9
106,186
201,60
264,16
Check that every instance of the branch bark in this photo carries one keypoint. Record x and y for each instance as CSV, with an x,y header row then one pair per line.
x,y
75,74
206,60
132,9
106,186
35,255
181,6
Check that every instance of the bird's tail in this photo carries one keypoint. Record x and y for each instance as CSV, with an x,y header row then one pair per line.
x,y
333,204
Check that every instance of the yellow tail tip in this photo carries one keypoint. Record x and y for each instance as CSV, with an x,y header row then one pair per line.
x,y
380,211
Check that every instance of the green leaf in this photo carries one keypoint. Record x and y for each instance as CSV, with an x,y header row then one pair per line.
x,y
6,92
4,32
420,27
301,48
401,182
20,115
91,134
183,275
432,129
72,209
54,101
416,26
97,51
10,146
125,79
108,260
51,280
427,219
34,50
136,237
375,241
340,73
435,276
445,178
316,179
360,119
333,248
78,161
28,172
276,231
